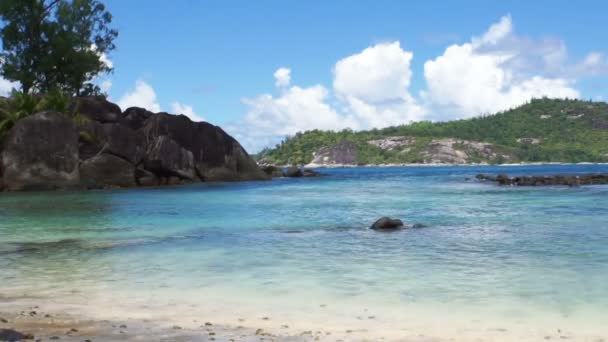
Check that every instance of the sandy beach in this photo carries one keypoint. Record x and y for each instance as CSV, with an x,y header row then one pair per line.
x,y
50,322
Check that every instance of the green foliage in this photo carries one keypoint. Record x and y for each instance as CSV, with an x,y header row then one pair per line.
x,y
51,44
569,131
16,108
21,105
55,100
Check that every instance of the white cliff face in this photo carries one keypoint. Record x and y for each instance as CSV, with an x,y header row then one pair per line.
x,y
435,151
457,151
393,143
340,154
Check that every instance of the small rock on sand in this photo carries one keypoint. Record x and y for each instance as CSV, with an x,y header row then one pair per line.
x,y
13,335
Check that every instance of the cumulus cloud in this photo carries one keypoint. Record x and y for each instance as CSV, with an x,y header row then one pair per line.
x,y
143,95
105,86
594,64
282,77
374,84
7,86
179,108
294,110
492,73
370,89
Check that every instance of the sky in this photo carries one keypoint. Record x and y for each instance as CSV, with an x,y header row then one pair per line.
x,y
264,70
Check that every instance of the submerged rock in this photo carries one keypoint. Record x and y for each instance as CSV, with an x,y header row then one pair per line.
x,y
310,173
387,223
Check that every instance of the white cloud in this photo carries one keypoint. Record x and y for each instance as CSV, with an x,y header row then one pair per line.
x,y
179,108
103,57
374,85
370,90
295,110
594,64
492,73
282,77
496,33
143,95
105,86
7,86
270,118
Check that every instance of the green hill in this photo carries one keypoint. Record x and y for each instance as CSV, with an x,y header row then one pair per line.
x,y
543,130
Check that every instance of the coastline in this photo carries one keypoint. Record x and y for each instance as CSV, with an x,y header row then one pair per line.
x,y
334,166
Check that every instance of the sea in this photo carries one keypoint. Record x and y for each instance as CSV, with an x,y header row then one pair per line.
x,y
492,262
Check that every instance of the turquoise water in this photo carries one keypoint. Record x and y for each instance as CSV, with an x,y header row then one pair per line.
x,y
300,249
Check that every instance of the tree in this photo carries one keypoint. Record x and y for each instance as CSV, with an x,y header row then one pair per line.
x,y
50,44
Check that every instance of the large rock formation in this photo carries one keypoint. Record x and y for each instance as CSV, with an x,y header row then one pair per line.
x,y
166,158
106,170
216,155
96,108
342,153
458,151
394,143
109,148
41,152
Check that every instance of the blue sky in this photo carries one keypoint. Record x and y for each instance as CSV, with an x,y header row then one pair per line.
x,y
216,60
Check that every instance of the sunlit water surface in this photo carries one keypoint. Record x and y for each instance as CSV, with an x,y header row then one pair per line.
x,y
494,260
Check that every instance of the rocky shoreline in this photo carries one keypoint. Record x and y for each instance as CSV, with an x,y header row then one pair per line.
x,y
106,148
553,180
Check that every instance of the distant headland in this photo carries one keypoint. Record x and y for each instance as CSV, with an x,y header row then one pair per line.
x,y
541,131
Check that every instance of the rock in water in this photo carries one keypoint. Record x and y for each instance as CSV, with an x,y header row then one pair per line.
x,y
113,138
273,171
41,153
107,170
387,223
294,172
165,158
568,180
217,156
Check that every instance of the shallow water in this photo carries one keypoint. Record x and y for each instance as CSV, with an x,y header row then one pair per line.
x,y
514,262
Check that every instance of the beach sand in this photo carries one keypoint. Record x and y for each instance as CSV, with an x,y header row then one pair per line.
x,y
43,324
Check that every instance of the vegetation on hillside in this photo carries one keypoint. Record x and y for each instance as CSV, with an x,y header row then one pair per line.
x,y
568,131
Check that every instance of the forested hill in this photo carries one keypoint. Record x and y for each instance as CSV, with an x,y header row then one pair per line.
x,y
543,130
